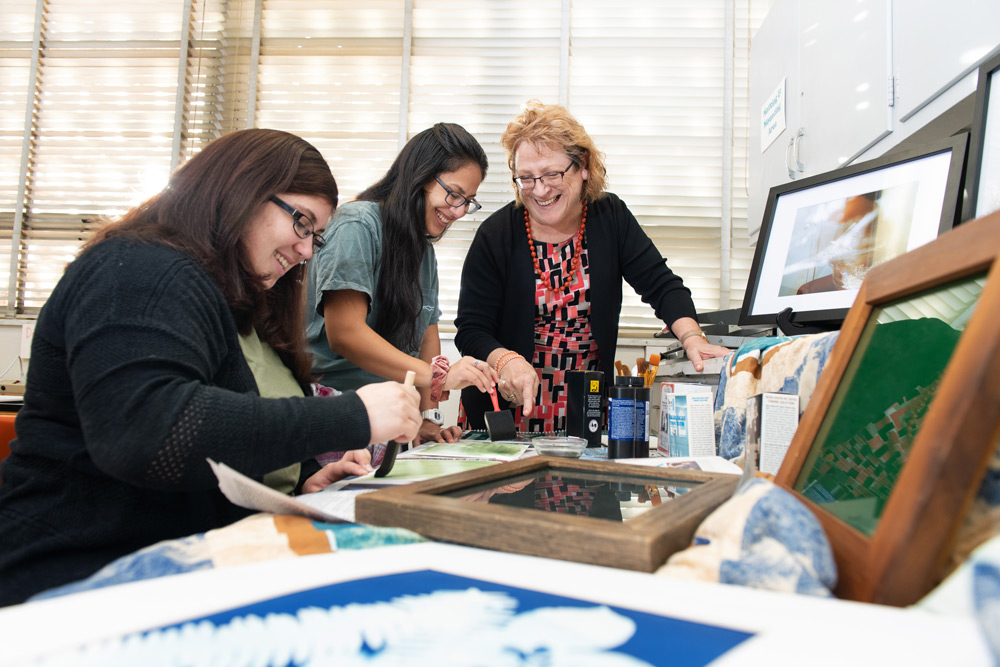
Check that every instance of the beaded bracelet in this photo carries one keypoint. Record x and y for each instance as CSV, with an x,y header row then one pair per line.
x,y
506,359
439,373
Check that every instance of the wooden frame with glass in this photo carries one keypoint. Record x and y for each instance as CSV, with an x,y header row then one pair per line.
x,y
597,512
895,441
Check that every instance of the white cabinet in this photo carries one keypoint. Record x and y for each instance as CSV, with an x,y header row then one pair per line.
x,y
935,45
836,61
862,77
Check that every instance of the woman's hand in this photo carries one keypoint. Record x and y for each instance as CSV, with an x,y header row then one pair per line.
x,y
393,411
469,372
431,432
698,349
355,462
519,384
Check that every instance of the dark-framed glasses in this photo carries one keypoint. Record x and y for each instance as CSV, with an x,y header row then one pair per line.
x,y
455,199
550,179
301,223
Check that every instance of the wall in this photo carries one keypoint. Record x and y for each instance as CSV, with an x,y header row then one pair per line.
x,y
15,350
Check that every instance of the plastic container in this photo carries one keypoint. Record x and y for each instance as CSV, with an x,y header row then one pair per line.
x,y
566,446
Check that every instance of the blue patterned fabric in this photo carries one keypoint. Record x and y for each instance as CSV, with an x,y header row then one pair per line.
x,y
259,537
763,537
771,364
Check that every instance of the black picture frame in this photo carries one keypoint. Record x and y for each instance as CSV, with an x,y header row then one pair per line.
x,y
984,145
905,199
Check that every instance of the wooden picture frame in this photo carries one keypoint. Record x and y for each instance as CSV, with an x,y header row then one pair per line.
x,y
947,432
821,235
641,543
982,180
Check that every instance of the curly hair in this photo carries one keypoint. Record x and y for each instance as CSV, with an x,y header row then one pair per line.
x,y
554,127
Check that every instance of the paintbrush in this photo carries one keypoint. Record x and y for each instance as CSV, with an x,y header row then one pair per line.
x,y
392,447
654,364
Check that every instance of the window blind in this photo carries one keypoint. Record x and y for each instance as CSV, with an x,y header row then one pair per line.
x,y
330,72
107,120
505,54
16,89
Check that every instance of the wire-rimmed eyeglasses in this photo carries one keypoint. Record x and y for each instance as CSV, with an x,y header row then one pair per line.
x,y
455,199
301,223
550,179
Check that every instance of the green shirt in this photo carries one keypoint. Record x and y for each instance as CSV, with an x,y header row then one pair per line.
x,y
350,261
274,380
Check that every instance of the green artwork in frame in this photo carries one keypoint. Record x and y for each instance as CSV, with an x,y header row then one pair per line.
x,y
866,436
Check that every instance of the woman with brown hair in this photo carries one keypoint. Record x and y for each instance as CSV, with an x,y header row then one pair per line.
x,y
176,336
541,286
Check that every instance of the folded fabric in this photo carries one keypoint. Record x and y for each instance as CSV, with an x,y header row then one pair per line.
x,y
762,537
771,364
259,537
973,590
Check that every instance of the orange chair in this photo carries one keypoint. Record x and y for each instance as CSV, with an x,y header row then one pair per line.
x,y
6,433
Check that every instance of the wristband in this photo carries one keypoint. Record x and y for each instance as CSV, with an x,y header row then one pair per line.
x,y
689,334
439,373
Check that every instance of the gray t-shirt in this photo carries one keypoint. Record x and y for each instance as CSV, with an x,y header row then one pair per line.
x,y
350,261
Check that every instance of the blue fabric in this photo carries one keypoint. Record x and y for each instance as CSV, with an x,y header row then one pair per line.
x,y
256,538
769,364
986,595
763,537
805,558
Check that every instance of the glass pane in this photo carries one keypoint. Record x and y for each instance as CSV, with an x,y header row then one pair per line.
x,y
890,382
597,495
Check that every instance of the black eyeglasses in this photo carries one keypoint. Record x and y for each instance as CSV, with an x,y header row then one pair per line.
x,y
455,199
550,179
301,223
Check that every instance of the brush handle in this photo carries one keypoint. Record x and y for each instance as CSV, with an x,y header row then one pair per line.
x,y
392,447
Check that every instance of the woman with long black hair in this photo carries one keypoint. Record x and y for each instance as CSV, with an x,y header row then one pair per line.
x,y
373,293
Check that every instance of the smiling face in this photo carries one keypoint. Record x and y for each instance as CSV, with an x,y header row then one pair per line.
x,y
439,213
271,243
554,208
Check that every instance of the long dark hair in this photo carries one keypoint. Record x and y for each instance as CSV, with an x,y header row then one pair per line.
x,y
205,211
444,148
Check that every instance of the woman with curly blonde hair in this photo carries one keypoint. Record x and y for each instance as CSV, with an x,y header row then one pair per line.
x,y
541,286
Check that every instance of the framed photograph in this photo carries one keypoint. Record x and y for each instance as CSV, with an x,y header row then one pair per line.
x,y
595,512
821,235
893,446
982,181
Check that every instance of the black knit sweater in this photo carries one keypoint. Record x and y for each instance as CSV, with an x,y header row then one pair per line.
x,y
136,378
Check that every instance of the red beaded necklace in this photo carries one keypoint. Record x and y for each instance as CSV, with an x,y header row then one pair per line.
x,y
578,242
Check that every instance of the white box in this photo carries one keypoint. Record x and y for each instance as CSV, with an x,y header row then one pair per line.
x,y
687,420
771,422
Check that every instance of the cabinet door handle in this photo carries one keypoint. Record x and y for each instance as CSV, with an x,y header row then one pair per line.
x,y
795,149
788,164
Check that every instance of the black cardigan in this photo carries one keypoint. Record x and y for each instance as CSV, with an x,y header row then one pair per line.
x,y
136,378
496,304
